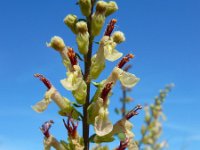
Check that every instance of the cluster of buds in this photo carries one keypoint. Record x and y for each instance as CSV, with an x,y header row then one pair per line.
x,y
152,129
103,9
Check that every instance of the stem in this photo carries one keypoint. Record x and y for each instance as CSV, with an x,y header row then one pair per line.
x,y
87,65
123,102
146,131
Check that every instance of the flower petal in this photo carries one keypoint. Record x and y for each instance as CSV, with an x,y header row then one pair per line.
x,y
128,80
43,104
80,93
112,54
73,79
102,124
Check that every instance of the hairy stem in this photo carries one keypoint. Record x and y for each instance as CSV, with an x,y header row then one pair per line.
x,y
87,60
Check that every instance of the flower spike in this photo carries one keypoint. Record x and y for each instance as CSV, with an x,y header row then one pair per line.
x,y
42,78
133,112
125,60
110,27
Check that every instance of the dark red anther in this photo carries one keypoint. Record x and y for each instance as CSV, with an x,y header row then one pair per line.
x,y
106,90
123,144
125,60
42,78
45,128
72,56
133,112
71,127
110,27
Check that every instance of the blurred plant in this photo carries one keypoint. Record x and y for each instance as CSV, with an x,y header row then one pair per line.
x,y
152,129
78,81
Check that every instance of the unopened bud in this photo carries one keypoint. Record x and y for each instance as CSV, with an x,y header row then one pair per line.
x,y
143,130
101,7
111,8
98,18
81,26
70,20
147,118
118,37
57,43
85,6
82,37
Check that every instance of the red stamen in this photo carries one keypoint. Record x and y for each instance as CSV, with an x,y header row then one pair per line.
x,y
72,56
42,78
110,27
123,145
105,91
125,60
71,127
45,128
133,112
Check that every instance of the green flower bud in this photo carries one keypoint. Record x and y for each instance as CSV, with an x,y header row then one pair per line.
x,y
118,37
82,37
85,6
70,20
81,27
147,118
101,7
143,130
98,17
111,8
57,43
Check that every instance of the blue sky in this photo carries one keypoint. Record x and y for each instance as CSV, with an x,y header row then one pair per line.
x,y
163,35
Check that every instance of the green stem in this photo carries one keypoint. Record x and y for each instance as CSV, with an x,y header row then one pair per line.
x,y
87,64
